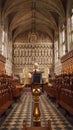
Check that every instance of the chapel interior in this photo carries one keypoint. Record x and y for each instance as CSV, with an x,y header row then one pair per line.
x,y
36,64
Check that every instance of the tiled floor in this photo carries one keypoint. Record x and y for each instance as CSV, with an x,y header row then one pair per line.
x,y
49,111
23,110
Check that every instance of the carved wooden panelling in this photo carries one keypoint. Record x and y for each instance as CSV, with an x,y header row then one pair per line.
x,y
2,64
67,62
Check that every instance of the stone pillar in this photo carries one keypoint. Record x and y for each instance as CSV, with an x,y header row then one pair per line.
x,y
59,42
8,49
66,39
0,30
53,67
6,38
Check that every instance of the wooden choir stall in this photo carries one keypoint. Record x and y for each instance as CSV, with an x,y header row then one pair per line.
x,y
9,88
61,87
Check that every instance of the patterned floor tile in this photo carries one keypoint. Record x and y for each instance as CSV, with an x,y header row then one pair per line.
x,y
22,110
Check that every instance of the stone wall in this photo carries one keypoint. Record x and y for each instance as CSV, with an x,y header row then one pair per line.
x,y
26,53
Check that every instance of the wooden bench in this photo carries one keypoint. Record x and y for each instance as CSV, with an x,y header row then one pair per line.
x,y
62,90
5,101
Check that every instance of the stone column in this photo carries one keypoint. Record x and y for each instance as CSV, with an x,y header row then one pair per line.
x,y
0,30
59,42
66,39
6,39
53,67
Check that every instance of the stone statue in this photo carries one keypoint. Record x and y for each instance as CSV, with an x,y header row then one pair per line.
x,y
36,67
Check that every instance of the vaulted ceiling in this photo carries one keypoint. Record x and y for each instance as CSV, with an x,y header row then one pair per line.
x,y
37,15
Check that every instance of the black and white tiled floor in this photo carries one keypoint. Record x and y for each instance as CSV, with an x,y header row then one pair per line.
x,y
49,111
23,110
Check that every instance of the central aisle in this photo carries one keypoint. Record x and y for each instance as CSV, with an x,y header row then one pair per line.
x,y
23,110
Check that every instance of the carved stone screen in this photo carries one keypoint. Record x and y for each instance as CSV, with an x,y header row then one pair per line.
x,y
27,52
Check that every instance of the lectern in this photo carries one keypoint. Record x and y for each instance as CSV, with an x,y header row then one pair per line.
x,y
37,77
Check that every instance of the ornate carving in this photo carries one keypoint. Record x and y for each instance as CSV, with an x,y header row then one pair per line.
x,y
67,62
33,53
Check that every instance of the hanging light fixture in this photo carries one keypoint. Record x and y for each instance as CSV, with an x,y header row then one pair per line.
x,y
33,35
